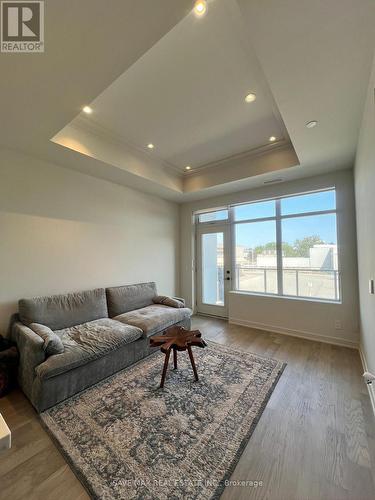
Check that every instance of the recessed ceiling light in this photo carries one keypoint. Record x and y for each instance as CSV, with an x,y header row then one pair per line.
x,y
250,97
188,167
150,146
272,138
312,124
200,8
87,110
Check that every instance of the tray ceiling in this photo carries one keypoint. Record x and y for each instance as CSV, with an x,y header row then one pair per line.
x,y
186,96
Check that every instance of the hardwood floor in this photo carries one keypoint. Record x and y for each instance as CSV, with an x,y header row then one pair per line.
x,y
315,439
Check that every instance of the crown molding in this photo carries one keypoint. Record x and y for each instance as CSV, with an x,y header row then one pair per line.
x,y
101,132
245,155
88,125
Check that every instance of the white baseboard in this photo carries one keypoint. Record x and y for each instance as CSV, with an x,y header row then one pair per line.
x,y
296,333
371,388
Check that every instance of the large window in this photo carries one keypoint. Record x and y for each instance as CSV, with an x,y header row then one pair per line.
x,y
288,246
255,256
309,256
283,246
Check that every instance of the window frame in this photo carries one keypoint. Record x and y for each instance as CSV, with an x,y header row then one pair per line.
x,y
278,218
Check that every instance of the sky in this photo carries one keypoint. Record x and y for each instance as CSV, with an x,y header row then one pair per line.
x,y
259,233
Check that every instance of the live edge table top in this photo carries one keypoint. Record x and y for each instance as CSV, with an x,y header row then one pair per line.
x,y
177,338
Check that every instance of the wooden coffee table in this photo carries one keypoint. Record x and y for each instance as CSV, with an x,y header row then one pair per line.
x,y
178,339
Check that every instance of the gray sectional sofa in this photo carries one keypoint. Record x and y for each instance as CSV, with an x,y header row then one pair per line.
x,y
101,332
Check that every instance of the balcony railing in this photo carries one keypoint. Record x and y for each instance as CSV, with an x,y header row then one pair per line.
x,y
297,281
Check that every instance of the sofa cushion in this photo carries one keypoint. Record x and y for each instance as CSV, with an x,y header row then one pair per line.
x,y
86,342
63,311
52,342
155,318
122,299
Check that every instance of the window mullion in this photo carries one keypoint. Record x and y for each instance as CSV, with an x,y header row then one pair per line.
x,y
279,256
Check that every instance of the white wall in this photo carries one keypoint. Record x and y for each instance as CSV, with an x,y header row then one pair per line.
x,y
364,175
63,231
312,319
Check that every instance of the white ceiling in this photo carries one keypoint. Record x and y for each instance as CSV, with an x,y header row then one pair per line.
x,y
186,94
307,59
316,56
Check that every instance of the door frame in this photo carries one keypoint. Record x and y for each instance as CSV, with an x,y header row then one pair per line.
x,y
209,228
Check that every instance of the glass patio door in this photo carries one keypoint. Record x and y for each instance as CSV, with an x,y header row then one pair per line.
x,y
213,269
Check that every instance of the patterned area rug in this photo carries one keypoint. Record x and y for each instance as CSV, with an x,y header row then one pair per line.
x,y
127,439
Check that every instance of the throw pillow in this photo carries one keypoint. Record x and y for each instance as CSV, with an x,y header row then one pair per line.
x,y
168,301
52,342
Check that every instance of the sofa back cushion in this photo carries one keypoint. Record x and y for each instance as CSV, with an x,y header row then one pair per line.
x,y
63,311
122,299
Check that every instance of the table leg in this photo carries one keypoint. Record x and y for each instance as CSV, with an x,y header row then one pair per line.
x,y
166,361
175,358
192,362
